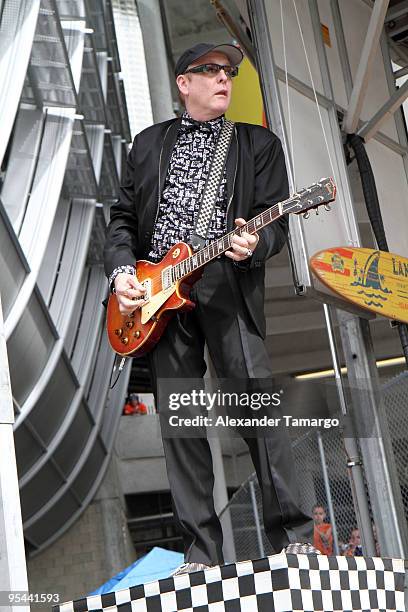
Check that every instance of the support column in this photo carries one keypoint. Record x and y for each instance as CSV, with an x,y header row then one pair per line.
x,y
375,440
13,571
365,66
156,59
256,519
327,489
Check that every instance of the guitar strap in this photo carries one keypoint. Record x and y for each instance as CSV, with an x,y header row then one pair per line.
x,y
212,186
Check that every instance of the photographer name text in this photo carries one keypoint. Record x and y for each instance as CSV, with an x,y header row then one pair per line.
x,y
227,421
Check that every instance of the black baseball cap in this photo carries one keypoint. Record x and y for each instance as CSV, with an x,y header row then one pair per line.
x,y
233,53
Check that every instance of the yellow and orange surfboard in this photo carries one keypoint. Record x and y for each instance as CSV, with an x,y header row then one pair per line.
x,y
374,280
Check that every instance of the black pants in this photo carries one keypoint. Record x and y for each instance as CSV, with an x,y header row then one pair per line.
x,y
237,352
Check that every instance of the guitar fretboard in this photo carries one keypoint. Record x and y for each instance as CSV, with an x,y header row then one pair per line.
x,y
312,197
219,246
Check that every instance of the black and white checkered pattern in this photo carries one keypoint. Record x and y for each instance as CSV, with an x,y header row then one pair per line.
x,y
214,179
280,583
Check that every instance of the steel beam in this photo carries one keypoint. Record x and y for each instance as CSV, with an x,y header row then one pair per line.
x,y
398,50
261,550
354,464
307,91
365,66
374,436
398,117
235,29
268,78
401,72
13,570
372,126
338,153
327,489
342,46
396,11
156,59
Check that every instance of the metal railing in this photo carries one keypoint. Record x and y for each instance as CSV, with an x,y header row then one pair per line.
x,y
321,467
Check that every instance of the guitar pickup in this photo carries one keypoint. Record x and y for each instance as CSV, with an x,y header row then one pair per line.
x,y
166,278
147,284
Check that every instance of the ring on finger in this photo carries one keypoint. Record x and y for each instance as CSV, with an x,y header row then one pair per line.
x,y
248,252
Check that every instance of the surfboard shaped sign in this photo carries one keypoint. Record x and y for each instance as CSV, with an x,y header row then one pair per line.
x,y
374,280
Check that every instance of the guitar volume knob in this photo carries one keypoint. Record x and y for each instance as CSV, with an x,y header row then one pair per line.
x,y
124,340
119,331
129,324
136,334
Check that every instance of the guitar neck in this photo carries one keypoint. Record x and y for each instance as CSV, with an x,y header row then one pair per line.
x,y
219,246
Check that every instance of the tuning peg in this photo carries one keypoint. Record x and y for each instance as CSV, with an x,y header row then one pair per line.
x,y
306,215
317,211
327,207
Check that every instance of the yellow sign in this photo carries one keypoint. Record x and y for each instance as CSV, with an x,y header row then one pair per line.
x,y
374,280
246,103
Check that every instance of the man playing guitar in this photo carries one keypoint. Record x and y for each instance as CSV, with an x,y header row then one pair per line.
x,y
167,168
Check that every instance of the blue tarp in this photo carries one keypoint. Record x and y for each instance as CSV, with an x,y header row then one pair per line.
x,y
158,563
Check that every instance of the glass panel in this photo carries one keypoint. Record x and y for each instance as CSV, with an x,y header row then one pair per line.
x,y
101,20
21,164
71,447
29,348
109,181
91,99
51,261
9,23
49,76
28,450
79,174
76,316
54,403
12,268
70,8
39,490
53,520
90,470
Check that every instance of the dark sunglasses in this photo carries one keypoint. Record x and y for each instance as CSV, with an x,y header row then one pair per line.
x,y
230,71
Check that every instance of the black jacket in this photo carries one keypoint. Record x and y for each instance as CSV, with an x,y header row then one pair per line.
x,y
256,179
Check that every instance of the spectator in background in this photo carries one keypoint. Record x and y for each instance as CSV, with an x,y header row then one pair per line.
x,y
353,548
134,405
322,535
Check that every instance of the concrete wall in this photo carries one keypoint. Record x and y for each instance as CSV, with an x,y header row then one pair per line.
x,y
139,448
96,548
141,464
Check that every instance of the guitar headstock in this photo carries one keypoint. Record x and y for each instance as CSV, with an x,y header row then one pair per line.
x,y
318,194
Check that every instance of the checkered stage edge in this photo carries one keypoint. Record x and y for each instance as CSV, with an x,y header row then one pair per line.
x,y
280,583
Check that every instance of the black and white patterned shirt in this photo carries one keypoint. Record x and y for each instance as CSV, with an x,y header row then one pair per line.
x,y
183,188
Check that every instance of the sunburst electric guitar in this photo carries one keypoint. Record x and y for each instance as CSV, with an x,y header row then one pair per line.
x,y
168,283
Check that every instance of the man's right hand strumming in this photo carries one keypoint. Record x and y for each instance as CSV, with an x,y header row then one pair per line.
x,y
129,292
